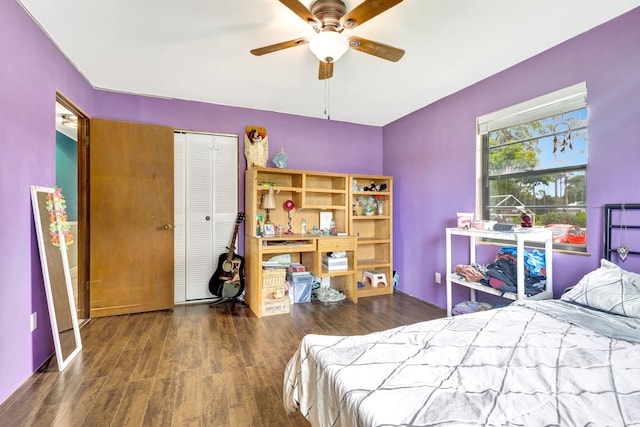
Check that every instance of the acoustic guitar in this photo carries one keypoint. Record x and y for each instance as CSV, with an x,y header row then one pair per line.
x,y
227,281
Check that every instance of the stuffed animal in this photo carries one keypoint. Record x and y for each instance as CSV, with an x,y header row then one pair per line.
x,y
374,187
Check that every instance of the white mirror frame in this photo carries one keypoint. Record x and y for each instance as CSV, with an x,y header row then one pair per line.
x,y
42,230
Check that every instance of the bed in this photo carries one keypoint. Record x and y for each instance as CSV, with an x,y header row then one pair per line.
x,y
574,361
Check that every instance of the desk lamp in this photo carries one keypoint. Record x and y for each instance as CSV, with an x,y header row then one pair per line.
x,y
268,203
289,205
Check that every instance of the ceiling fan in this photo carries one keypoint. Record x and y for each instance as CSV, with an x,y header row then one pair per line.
x,y
329,18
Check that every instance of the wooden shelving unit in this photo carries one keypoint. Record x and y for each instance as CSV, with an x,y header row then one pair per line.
x,y
311,193
374,232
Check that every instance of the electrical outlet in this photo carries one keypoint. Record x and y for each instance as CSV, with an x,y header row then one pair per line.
x,y
33,321
438,278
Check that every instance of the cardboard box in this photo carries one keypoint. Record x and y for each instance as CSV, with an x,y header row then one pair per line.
x,y
272,307
274,298
273,277
335,264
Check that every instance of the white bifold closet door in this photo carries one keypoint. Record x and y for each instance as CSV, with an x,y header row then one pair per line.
x,y
206,207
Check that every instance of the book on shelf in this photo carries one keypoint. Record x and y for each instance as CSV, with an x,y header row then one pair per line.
x,y
273,264
298,273
295,267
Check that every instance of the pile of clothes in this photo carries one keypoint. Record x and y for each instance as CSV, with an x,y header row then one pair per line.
x,y
326,295
465,307
502,273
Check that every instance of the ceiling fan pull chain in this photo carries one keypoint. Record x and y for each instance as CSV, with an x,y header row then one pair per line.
x,y
326,99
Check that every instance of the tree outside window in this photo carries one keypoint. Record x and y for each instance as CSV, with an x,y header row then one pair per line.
x,y
539,167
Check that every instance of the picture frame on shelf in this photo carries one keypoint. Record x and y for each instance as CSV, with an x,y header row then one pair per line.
x,y
325,220
269,230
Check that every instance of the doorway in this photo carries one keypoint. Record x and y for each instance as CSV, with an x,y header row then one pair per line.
x,y
71,170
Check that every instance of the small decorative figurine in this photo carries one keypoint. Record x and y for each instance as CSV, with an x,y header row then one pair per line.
x,y
526,220
375,187
280,159
256,146
369,205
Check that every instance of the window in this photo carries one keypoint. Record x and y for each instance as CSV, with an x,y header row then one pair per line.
x,y
534,162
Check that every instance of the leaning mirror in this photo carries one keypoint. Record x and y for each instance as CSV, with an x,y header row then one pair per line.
x,y
53,235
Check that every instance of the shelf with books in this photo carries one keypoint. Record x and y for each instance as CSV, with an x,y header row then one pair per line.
x,y
314,194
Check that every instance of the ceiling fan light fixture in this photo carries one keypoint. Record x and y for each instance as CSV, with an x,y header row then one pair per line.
x,y
328,46
70,120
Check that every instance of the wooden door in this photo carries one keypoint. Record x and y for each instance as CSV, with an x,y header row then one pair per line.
x,y
130,217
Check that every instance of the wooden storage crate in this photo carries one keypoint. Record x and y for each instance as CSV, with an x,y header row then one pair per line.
x,y
274,280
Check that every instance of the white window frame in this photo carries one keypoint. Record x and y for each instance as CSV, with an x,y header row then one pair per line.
x,y
567,99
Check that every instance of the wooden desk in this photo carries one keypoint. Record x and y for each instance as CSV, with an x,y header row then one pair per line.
x,y
307,249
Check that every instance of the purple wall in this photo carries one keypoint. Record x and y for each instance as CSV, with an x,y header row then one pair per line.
x,y
431,152
31,72
310,144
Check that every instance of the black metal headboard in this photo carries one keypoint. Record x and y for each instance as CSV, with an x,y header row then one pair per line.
x,y
617,218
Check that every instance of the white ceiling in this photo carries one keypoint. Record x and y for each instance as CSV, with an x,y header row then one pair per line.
x,y
199,50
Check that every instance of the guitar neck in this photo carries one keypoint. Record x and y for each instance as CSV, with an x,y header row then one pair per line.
x,y
233,244
239,219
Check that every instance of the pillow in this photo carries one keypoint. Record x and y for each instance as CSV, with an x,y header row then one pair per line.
x,y
608,288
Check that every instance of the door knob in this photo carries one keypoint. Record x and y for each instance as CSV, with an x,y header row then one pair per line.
x,y
167,227
208,218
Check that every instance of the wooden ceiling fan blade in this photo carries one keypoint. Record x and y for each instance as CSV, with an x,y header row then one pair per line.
x,y
380,50
301,10
279,46
325,71
365,11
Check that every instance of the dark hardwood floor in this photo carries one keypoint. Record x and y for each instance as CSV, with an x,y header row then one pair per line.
x,y
196,365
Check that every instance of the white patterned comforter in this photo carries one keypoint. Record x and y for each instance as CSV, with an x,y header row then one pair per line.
x,y
533,363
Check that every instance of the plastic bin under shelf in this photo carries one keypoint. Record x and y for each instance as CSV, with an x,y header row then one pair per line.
x,y
300,286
